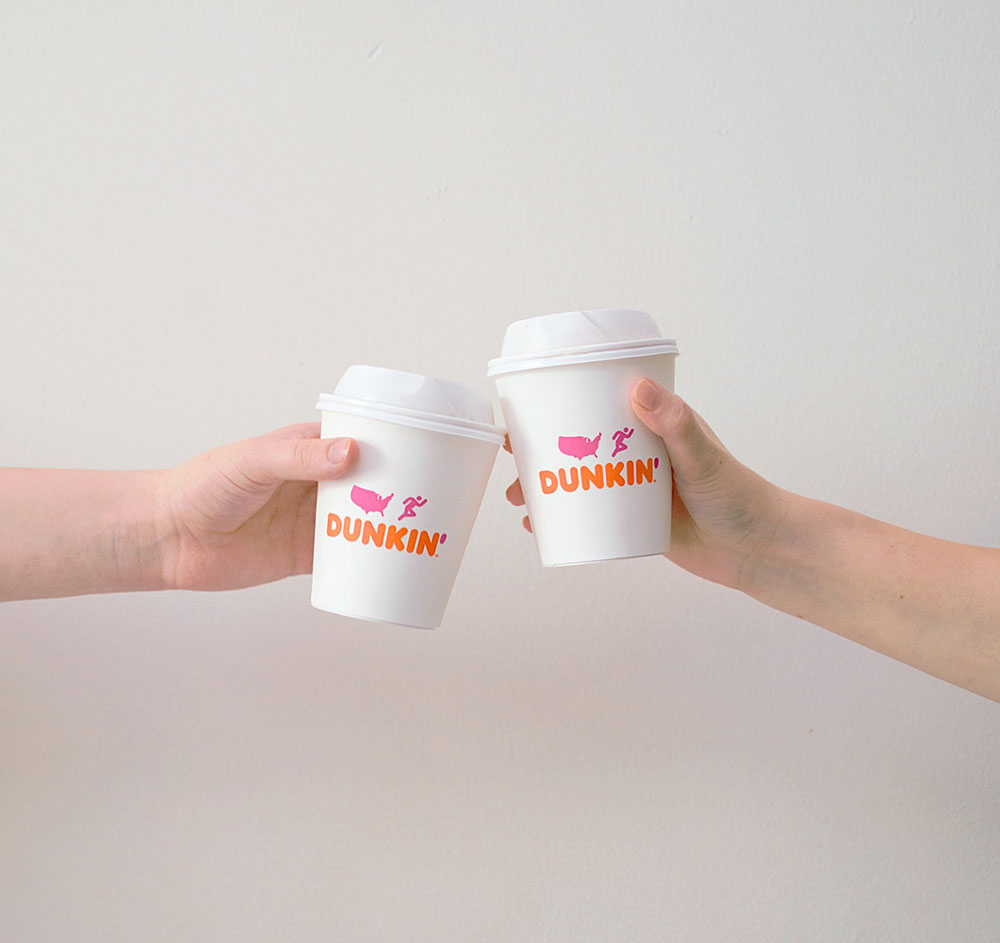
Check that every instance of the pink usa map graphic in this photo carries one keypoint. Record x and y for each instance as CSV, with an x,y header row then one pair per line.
x,y
371,501
580,446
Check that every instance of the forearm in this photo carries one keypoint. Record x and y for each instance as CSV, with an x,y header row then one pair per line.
x,y
930,603
71,532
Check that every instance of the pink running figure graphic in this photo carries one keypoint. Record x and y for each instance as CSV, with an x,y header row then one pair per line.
x,y
620,436
409,504
370,501
579,445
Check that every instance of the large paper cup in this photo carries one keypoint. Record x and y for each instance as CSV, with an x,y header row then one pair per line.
x,y
596,481
390,536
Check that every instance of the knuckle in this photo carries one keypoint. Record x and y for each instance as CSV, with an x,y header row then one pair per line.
x,y
251,464
713,464
302,454
679,415
239,465
687,417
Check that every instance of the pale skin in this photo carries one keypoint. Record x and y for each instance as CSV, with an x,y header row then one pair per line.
x,y
930,603
236,516
243,514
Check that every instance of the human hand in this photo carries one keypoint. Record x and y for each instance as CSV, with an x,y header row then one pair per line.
x,y
930,603
244,513
724,514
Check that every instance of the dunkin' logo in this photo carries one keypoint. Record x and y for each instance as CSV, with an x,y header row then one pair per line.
x,y
621,474
384,536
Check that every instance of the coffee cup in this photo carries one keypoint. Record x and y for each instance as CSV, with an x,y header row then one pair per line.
x,y
390,535
596,482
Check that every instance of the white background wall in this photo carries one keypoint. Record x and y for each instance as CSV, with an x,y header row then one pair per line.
x,y
207,211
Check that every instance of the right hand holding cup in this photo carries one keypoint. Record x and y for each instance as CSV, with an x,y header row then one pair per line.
x,y
724,514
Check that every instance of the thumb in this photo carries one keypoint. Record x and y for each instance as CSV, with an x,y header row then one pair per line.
x,y
696,456
266,461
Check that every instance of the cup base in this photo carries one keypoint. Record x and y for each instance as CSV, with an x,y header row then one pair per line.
x,y
630,556
375,619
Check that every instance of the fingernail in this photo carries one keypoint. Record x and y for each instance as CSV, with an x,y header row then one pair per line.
x,y
647,395
338,450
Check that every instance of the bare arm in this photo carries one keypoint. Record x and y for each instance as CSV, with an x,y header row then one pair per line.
x,y
930,603
64,532
236,516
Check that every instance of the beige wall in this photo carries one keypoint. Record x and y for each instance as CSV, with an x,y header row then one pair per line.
x,y
208,210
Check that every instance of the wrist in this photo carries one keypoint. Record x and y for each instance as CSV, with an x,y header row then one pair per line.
x,y
142,532
779,567
816,563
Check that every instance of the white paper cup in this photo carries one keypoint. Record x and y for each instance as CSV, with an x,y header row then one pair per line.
x,y
596,481
390,535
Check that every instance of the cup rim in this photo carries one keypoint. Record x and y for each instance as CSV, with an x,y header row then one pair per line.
x,y
416,418
588,353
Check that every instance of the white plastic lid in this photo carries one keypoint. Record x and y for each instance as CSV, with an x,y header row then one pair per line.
x,y
413,400
579,337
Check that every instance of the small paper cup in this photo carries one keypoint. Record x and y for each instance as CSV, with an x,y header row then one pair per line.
x,y
596,481
390,536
